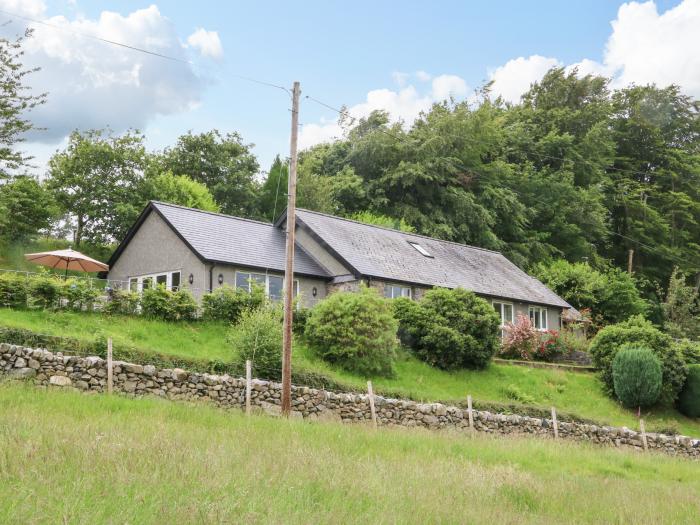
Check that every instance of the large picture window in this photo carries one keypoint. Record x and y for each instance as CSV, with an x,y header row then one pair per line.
x,y
273,284
538,317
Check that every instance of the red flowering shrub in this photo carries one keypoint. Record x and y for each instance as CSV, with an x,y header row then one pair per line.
x,y
552,344
520,340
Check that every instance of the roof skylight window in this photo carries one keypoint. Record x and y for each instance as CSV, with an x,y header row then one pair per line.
x,y
420,249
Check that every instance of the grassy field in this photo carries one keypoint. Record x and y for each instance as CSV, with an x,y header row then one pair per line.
x,y
577,393
71,458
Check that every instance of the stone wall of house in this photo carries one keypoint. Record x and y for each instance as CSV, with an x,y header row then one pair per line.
x,y
90,374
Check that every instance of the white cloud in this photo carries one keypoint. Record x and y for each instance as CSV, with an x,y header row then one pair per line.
x,y
423,76
207,43
644,47
400,78
92,84
514,78
404,104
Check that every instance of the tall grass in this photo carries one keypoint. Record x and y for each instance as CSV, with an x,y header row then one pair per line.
x,y
72,458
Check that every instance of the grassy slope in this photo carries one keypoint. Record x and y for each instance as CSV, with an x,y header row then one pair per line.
x,y
72,458
576,393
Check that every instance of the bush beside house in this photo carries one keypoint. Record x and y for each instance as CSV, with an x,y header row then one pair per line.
x,y
355,330
450,329
227,303
640,332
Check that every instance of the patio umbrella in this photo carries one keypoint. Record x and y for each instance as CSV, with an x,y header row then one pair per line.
x,y
67,260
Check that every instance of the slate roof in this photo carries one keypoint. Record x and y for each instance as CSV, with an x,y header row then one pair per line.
x,y
386,254
224,239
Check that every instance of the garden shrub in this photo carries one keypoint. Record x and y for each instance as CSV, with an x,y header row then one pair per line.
x,y
552,344
637,376
156,302
122,302
184,306
258,337
13,290
43,291
78,294
299,320
689,398
520,339
355,330
451,329
227,303
690,350
640,332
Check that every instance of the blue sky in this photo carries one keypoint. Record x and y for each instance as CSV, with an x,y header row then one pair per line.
x,y
340,52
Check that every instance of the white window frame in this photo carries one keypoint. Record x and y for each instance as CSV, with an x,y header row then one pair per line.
x,y
543,317
267,281
419,248
394,287
153,276
504,321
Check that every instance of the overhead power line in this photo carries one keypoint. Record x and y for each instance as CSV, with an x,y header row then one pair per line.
x,y
135,48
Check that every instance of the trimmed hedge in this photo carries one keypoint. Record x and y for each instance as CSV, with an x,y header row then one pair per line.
x,y
689,398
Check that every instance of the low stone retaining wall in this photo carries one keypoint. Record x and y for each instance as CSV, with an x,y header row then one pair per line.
x,y
90,374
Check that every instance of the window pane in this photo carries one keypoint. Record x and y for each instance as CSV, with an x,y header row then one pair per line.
x,y
388,291
405,292
161,279
295,290
242,280
507,316
133,285
147,281
275,287
175,281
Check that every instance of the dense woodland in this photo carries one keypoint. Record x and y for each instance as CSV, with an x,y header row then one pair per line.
x,y
564,183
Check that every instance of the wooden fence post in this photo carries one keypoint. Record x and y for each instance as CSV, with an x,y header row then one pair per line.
x,y
555,423
110,377
644,433
248,385
470,412
371,404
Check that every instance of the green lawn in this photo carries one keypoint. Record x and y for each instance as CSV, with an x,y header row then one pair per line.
x,y
573,392
67,457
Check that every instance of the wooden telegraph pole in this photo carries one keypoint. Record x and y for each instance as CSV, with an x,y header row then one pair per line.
x,y
289,269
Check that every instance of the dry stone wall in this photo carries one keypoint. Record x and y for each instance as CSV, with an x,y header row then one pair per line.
x,y
90,374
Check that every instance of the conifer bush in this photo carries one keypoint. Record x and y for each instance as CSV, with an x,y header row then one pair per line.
x,y
637,376
13,290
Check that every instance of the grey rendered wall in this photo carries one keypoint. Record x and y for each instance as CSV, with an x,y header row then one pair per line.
x,y
306,284
315,250
156,248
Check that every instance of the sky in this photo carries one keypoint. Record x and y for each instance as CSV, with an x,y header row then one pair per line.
x,y
397,56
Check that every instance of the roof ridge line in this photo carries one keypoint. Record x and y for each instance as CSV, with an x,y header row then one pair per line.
x,y
400,231
217,214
